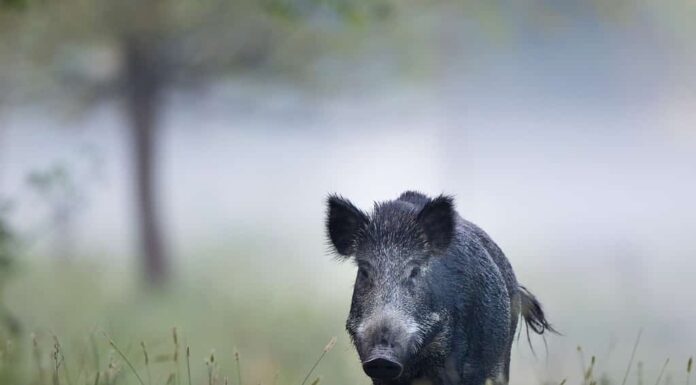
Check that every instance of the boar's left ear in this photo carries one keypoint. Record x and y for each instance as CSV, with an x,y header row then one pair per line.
x,y
437,220
343,224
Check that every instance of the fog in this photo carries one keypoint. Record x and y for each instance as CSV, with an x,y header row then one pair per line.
x,y
573,145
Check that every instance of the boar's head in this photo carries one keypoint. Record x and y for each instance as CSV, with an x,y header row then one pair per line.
x,y
397,319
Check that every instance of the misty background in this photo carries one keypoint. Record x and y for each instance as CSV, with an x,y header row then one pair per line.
x,y
167,164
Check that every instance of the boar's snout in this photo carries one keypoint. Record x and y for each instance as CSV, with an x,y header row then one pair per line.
x,y
384,339
382,366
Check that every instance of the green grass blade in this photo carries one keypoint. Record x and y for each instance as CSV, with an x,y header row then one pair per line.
x,y
130,365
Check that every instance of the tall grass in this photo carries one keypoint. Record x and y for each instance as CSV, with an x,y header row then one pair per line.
x,y
588,371
326,349
256,344
120,357
633,356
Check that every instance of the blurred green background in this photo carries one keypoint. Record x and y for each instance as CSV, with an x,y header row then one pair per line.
x,y
164,164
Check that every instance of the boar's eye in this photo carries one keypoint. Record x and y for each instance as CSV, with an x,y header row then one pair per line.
x,y
415,271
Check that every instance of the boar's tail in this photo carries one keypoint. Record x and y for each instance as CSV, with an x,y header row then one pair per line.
x,y
533,314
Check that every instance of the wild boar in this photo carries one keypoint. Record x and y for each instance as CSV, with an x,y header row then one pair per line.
x,y
435,299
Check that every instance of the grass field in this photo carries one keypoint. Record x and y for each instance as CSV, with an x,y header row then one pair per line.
x,y
93,324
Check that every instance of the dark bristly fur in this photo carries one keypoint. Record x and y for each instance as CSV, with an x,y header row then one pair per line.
x,y
435,298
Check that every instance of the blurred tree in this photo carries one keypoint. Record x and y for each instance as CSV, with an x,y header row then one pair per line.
x,y
138,50
144,77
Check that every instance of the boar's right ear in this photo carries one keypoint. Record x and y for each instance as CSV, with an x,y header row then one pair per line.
x,y
437,220
343,224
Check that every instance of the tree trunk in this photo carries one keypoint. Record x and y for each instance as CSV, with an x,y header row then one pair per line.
x,y
143,88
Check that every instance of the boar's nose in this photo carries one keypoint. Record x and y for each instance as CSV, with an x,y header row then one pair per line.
x,y
382,368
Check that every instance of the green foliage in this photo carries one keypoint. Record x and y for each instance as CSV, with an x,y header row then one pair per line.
x,y
189,41
6,246
10,327
344,10
57,187
14,4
